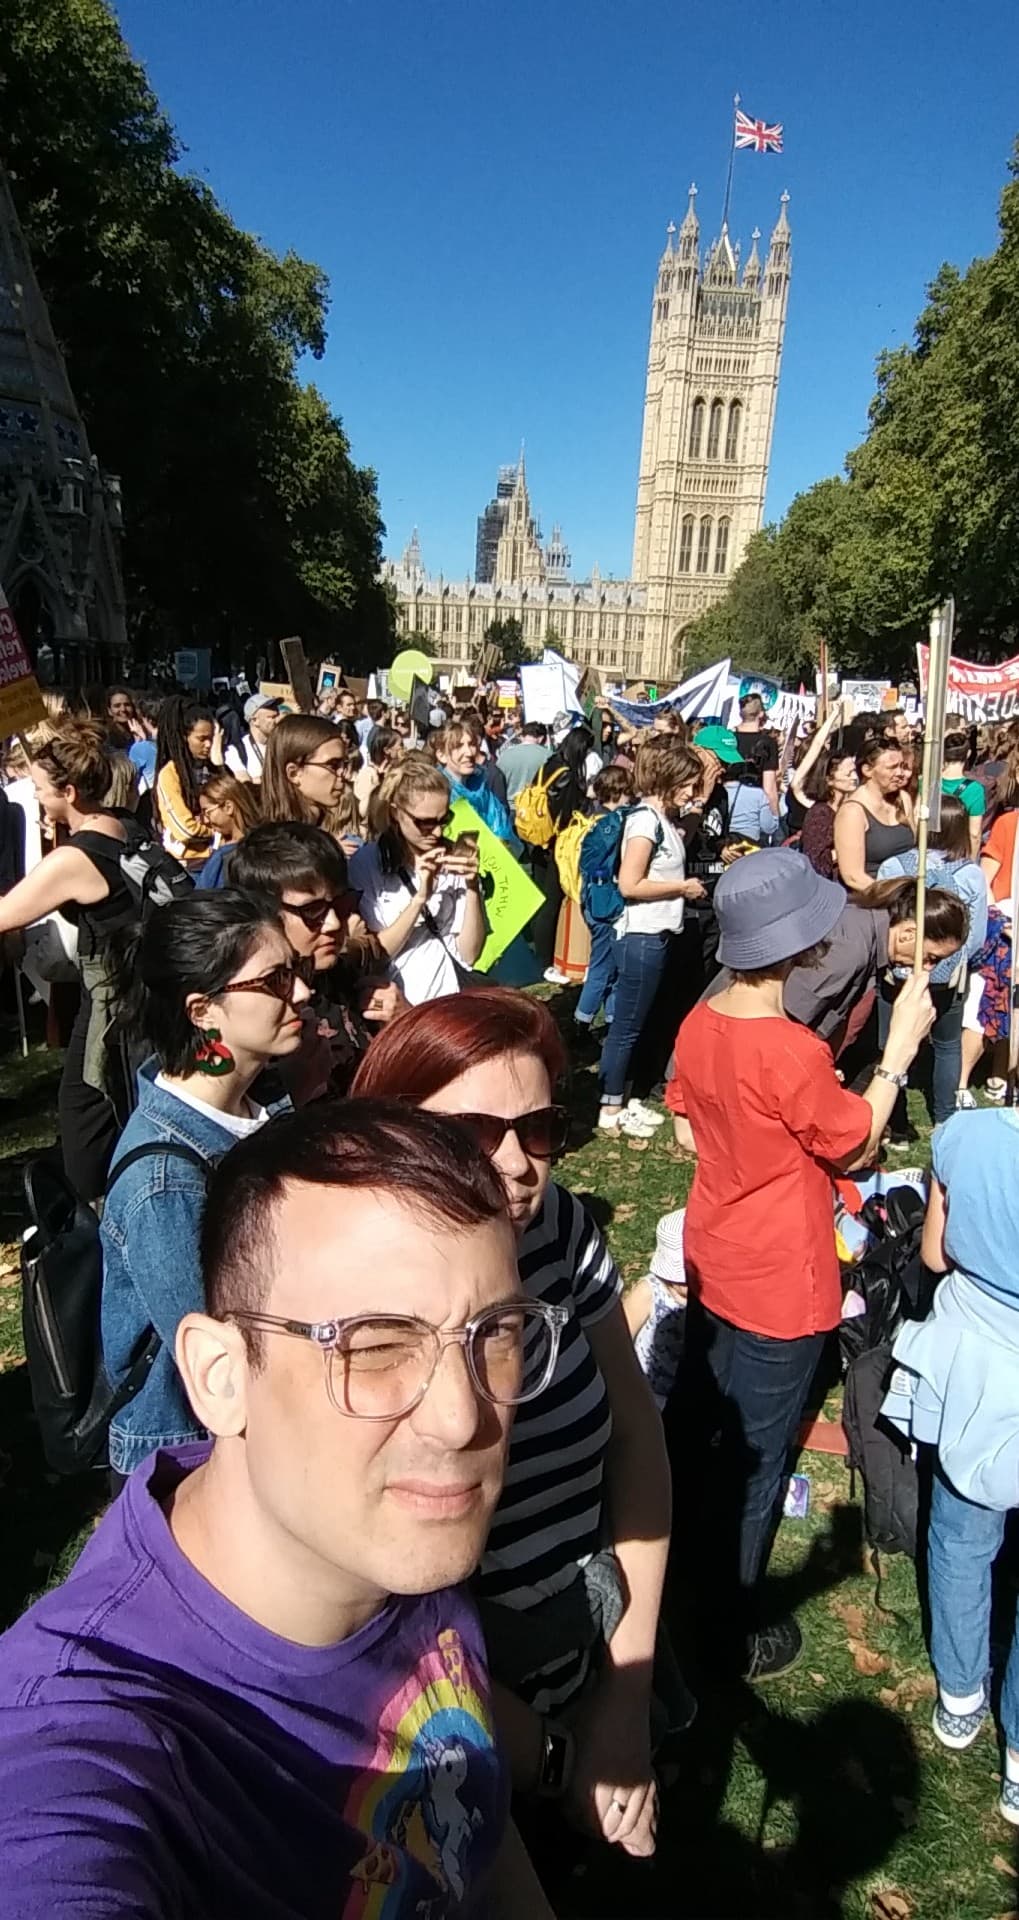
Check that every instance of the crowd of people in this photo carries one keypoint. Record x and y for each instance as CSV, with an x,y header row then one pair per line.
x,y
394,1465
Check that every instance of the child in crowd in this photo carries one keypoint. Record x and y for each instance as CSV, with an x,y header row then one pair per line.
x,y
655,1309
612,789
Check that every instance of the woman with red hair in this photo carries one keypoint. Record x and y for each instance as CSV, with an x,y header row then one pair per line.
x,y
571,1581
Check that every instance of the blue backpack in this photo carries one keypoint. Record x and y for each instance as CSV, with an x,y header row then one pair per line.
x,y
600,850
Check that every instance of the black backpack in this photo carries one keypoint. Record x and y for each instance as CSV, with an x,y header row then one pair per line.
x,y
62,1284
151,876
895,1286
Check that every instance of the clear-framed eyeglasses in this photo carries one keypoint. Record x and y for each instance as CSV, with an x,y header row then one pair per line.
x,y
380,1366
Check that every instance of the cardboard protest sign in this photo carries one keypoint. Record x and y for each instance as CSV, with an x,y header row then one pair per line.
x,y
21,703
510,895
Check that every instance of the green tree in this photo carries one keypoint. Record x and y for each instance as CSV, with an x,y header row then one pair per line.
x,y
508,636
755,624
246,516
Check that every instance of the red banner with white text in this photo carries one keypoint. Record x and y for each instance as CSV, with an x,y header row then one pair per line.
x,y
982,692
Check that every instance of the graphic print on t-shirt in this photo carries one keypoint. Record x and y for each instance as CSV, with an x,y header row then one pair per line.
x,y
414,1804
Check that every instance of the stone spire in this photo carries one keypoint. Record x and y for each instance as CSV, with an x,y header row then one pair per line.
x,y
689,232
752,270
59,515
780,248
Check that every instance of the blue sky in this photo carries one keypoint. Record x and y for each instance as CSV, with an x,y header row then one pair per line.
x,y
488,183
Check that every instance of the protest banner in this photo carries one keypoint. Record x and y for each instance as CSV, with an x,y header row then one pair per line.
x,y
703,694
982,692
21,703
867,696
510,895
298,673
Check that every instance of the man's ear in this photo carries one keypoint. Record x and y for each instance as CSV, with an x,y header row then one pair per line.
x,y
213,1363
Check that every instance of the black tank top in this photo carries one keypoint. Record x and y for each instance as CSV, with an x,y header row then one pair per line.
x,y
97,922
882,842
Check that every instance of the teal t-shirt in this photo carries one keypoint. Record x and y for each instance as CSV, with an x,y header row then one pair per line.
x,y
970,792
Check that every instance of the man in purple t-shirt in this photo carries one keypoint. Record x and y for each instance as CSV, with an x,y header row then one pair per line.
x,y
262,1689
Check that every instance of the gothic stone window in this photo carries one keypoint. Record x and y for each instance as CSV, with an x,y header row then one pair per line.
x,y
722,547
732,431
704,544
715,429
686,543
696,429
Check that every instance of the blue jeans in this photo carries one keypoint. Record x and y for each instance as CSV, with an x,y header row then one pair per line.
x,y
600,984
749,1391
946,1049
640,960
962,1545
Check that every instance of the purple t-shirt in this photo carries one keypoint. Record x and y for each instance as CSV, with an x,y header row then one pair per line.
x,y
162,1756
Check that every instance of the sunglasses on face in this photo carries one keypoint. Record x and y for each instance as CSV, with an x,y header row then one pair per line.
x,y
328,766
315,913
430,825
278,983
542,1134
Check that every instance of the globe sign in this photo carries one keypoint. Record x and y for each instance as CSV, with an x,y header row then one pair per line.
x,y
768,689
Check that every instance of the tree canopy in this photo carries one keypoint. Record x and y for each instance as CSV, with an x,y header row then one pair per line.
x,y
246,516
514,650
929,504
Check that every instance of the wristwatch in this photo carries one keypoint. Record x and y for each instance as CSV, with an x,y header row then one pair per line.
x,y
897,1079
556,1764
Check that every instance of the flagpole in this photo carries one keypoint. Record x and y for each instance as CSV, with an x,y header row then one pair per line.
x,y
732,156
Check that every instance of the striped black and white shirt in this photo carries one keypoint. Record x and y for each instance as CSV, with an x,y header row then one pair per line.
x,y
549,1519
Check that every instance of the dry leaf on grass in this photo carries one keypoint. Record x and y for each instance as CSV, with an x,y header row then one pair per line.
x,y
852,1617
1001,1865
625,1212
865,1660
887,1903
638,1146
819,1679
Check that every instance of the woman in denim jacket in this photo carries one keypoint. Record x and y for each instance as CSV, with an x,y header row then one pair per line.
x,y
216,995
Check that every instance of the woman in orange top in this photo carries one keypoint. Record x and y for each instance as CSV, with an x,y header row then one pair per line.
x,y
757,1098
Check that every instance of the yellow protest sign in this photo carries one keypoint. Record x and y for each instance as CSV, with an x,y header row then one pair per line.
x,y
510,895
21,703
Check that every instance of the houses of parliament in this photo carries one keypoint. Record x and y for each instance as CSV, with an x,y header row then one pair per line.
x,y
717,327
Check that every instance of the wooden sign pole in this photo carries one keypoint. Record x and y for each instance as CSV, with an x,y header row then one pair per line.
x,y
929,801
822,704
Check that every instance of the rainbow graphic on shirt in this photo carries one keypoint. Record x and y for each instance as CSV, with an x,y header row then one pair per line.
x,y
410,1802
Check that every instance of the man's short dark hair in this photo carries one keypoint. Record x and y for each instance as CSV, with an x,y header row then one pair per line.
x,y
534,730
287,855
427,1161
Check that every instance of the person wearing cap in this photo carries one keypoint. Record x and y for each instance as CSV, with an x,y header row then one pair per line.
x,y
750,817
655,1309
757,1098
261,714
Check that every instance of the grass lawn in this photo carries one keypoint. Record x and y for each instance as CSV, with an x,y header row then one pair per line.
x,y
824,1794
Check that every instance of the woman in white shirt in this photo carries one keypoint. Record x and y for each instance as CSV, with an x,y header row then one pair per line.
x,y
654,887
420,894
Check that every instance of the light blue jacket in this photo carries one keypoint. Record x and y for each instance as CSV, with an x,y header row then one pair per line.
x,y
151,1273
956,876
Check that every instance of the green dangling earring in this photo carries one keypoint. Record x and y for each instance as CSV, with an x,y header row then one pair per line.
x,y
211,1056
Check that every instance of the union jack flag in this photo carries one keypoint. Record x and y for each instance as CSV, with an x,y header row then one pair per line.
x,y
757,134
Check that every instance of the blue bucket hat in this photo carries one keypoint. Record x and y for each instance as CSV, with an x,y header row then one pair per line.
x,y
772,906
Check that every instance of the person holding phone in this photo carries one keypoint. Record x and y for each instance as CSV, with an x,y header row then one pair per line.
x,y
420,894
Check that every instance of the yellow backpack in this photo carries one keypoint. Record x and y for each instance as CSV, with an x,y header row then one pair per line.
x,y
567,854
532,815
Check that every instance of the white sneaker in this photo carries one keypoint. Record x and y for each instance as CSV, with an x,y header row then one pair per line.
x,y
648,1115
965,1101
555,978
621,1120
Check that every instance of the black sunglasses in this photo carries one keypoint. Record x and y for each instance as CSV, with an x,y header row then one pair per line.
x,y
430,825
542,1134
315,913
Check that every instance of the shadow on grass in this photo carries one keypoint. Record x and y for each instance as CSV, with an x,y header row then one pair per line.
x,y
839,1788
